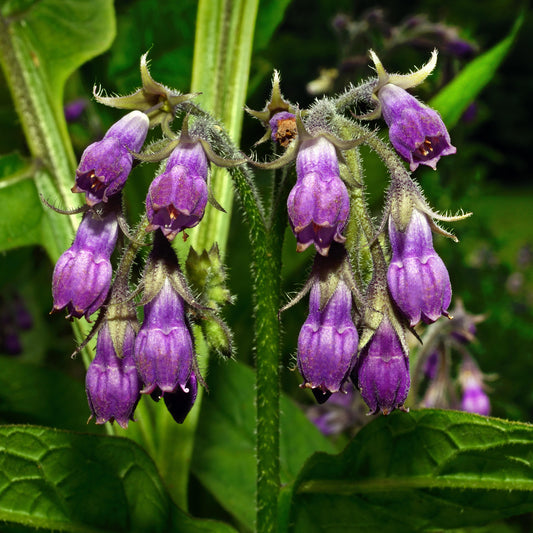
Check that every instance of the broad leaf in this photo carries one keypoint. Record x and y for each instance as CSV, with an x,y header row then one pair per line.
x,y
453,100
41,44
21,207
224,458
72,482
412,471
270,14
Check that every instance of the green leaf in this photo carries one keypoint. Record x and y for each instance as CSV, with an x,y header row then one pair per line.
x,y
453,100
412,471
83,483
21,208
169,37
36,395
41,44
224,456
269,16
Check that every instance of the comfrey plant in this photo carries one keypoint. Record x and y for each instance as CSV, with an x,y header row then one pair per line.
x,y
369,286
140,275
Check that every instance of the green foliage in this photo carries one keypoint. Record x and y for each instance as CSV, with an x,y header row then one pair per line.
x,y
81,483
22,211
224,457
453,100
411,472
36,395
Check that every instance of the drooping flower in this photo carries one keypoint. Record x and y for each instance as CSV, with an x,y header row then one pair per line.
x,y
382,371
416,131
177,198
82,275
327,343
106,164
417,277
112,383
319,203
163,349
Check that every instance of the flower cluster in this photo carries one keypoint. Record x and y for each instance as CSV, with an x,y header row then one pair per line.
x,y
157,357
370,284
361,307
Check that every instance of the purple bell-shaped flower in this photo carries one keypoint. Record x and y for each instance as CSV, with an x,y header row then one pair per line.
x,y
82,275
416,131
112,383
382,372
417,277
106,164
164,349
319,203
177,198
327,344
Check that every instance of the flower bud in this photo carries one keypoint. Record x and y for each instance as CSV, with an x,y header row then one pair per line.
x,y
177,198
106,164
164,348
319,204
82,275
416,131
382,373
112,383
283,126
417,277
327,343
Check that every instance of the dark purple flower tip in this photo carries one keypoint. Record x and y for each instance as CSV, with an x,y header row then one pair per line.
x,y
177,198
417,277
106,164
180,402
82,275
112,384
164,349
382,374
327,343
416,131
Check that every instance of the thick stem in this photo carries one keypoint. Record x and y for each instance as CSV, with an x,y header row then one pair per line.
x,y
266,264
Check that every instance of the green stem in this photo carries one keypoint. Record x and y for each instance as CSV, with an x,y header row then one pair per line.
x,y
221,68
266,258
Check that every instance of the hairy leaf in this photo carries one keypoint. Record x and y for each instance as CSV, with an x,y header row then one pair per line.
x,y
412,471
